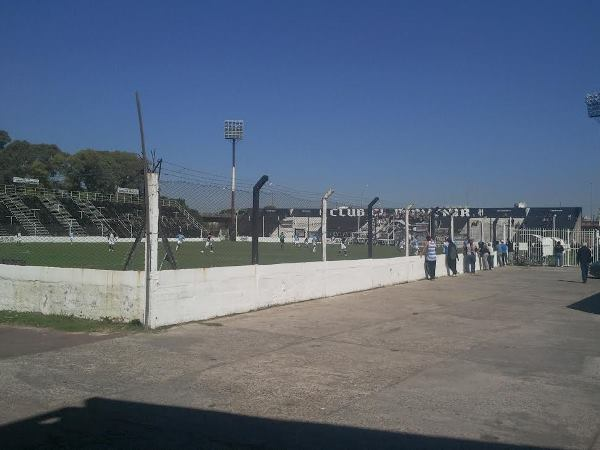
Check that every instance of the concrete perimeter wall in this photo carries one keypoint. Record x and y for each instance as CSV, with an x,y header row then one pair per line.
x,y
197,294
94,294
186,295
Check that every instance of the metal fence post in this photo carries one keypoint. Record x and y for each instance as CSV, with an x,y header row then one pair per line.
x,y
407,230
255,208
370,226
324,222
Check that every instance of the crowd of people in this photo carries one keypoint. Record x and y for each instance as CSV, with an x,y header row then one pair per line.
x,y
472,252
483,253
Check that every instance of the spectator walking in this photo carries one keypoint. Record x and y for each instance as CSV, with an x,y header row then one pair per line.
x,y
465,256
490,256
446,244
510,247
503,253
479,254
451,257
430,258
484,253
584,258
559,250
471,255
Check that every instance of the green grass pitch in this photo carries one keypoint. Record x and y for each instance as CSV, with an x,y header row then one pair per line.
x,y
190,254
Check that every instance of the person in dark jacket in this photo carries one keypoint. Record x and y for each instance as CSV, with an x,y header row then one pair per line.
x,y
452,256
584,258
558,253
510,248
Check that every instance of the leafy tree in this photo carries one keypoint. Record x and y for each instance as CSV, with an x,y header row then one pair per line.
x,y
103,171
23,159
4,139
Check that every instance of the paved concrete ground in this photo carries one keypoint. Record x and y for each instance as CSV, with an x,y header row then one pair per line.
x,y
17,341
508,359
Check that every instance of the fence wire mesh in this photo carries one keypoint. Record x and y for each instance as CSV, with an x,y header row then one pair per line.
x,y
197,228
61,228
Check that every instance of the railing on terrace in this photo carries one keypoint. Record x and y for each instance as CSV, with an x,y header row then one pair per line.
x,y
83,195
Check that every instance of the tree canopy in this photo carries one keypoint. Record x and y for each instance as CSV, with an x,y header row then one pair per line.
x,y
87,169
4,139
22,159
104,171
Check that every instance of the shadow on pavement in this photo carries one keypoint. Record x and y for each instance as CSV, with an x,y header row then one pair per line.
x,y
589,304
104,423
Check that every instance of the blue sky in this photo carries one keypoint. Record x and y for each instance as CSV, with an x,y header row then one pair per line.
x,y
431,102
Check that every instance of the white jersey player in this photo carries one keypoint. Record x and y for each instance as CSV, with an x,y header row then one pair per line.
x,y
111,242
209,244
343,248
180,238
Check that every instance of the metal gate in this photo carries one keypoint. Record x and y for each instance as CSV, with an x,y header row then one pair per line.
x,y
536,246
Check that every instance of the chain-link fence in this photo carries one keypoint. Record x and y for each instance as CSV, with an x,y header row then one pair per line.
x,y
197,225
288,226
49,227
200,225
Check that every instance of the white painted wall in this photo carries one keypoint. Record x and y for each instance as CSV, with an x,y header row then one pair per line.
x,y
89,293
196,294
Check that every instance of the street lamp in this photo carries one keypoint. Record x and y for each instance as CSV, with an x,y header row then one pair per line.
x,y
234,129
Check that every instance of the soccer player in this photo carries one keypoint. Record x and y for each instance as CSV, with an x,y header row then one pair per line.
x,y
19,238
111,242
296,240
281,240
71,237
180,237
209,243
314,243
343,249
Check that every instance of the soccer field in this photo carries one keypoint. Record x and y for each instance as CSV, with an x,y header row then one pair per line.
x,y
190,254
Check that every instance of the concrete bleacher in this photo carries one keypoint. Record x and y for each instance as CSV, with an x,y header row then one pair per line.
x,y
559,218
45,212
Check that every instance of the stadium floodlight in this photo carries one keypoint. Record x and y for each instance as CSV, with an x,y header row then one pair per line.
x,y
593,105
234,130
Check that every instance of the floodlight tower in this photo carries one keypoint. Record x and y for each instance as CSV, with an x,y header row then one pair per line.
x,y
593,108
234,129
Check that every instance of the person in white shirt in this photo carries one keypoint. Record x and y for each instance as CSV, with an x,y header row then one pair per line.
x,y
111,242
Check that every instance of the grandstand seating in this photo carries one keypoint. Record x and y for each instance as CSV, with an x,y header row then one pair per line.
x,y
45,217
566,218
8,227
44,212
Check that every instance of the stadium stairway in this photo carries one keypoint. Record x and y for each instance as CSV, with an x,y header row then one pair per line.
x,y
190,218
63,216
24,215
94,215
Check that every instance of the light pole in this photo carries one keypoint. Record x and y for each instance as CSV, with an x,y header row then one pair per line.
x,y
234,129
592,102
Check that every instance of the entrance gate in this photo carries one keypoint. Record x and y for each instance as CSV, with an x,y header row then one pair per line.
x,y
536,246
